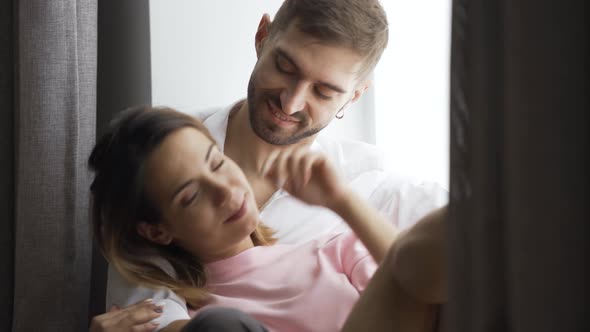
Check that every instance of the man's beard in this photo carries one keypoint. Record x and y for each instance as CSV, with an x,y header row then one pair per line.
x,y
271,133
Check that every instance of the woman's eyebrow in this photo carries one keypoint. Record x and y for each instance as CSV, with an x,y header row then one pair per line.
x,y
209,151
189,182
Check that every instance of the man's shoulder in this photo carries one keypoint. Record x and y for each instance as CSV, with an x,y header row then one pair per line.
x,y
351,155
204,113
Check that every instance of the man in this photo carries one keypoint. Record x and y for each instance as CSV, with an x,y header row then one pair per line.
x,y
314,61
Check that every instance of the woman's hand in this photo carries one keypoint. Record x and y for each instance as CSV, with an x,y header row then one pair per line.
x,y
134,318
307,175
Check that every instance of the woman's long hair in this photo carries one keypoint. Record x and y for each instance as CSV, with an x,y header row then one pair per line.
x,y
120,203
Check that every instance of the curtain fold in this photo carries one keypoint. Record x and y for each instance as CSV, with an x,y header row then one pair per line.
x,y
6,163
519,166
55,121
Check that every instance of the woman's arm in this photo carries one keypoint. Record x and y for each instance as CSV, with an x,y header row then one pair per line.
x,y
370,227
175,326
406,291
419,258
311,177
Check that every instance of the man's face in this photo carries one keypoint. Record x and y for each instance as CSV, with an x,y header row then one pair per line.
x,y
299,84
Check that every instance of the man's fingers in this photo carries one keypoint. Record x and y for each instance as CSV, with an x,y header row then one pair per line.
x,y
120,313
141,314
143,302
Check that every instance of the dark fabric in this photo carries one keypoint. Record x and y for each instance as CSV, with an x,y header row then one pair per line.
x,y
519,166
124,61
223,320
6,164
123,80
53,119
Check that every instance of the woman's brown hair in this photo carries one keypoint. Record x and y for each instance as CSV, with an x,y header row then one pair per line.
x,y
119,203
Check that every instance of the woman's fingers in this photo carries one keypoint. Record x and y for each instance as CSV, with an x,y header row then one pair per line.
x,y
274,168
296,170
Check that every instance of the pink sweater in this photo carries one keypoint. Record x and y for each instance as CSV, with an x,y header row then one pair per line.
x,y
309,287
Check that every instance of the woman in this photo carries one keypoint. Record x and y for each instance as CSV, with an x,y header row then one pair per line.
x,y
171,211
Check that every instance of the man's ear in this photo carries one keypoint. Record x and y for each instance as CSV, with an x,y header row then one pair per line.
x,y
155,233
360,90
262,33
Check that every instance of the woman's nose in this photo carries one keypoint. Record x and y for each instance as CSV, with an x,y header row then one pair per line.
x,y
293,99
221,191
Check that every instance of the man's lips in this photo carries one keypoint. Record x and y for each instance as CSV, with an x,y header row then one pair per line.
x,y
239,213
278,113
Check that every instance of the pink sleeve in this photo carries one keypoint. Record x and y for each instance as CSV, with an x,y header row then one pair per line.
x,y
358,265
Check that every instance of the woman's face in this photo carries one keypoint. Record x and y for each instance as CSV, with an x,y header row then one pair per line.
x,y
206,202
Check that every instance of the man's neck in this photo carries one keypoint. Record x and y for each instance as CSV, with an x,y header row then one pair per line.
x,y
245,147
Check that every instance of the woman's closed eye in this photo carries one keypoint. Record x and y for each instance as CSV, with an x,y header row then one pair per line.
x,y
218,164
192,193
189,196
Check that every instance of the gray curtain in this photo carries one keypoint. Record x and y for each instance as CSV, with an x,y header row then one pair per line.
x,y
48,128
520,184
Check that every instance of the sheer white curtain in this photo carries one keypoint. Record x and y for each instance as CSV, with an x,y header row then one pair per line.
x,y
412,89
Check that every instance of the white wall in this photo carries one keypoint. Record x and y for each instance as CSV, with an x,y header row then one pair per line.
x,y
412,89
203,54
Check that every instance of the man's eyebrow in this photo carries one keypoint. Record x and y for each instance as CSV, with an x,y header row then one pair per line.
x,y
332,86
284,54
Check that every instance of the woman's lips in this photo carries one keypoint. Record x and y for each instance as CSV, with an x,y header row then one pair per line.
x,y
239,214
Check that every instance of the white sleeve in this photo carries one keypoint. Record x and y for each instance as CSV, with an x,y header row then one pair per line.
x,y
121,293
404,202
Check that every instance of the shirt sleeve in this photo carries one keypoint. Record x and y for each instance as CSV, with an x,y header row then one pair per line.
x,y
355,260
404,202
122,293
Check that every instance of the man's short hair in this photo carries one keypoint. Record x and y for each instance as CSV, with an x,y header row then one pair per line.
x,y
360,25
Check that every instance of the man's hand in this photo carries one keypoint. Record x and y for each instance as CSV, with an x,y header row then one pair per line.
x,y
134,318
307,175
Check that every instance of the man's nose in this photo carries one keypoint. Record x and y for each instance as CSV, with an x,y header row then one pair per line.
x,y
294,99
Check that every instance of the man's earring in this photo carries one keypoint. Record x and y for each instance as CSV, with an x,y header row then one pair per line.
x,y
340,114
